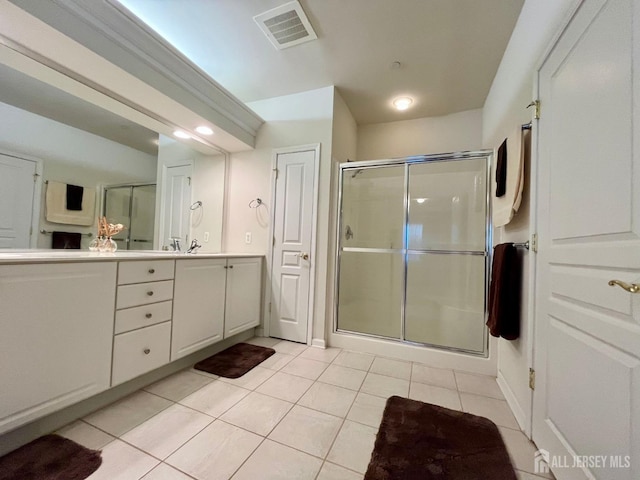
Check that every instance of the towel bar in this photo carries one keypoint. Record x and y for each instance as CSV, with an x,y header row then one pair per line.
x,y
522,245
47,232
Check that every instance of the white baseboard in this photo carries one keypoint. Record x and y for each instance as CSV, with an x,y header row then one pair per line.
x,y
259,332
521,417
318,342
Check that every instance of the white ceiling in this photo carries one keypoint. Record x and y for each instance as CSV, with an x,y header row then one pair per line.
x,y
449,50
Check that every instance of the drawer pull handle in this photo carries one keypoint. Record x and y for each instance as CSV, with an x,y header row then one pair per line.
x,y
149,315
152,270
147,351
150,293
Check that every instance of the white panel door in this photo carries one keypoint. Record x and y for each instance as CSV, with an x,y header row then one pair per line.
x,y
291,262
16,201
177,200
587,333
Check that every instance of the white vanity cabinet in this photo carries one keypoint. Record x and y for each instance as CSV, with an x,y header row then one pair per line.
x,y
56,330
243,295
198,305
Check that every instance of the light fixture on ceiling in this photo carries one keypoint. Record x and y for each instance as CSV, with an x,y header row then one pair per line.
x,y
181,134
402,103
204,130
421,200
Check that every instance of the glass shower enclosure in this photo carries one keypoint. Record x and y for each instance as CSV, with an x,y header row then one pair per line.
x,y
134,206
414,243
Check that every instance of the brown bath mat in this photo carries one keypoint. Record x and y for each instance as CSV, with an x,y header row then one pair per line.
x,y
421,441
50,458
235,361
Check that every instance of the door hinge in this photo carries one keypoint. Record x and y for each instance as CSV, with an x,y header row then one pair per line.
x,y
35,177
274,241
30,231
536,105
532,379
276,170
269,307
534,242
189,180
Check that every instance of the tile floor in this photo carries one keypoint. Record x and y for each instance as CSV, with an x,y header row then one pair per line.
x,y
304,413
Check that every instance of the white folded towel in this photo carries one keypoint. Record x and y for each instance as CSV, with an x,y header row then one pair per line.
x,y
56,206
518,151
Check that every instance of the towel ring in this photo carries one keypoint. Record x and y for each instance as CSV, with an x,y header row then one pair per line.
x,y
196,205
255,203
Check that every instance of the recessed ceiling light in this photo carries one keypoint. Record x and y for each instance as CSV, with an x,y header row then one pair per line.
x,y
181,134
204,130
402,103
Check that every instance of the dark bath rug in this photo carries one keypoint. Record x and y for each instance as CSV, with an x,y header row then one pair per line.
x,y
50,458
235,361
421,441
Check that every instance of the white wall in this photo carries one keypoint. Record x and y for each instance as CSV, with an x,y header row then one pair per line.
x,y
291,120
449,133
73,156
504,109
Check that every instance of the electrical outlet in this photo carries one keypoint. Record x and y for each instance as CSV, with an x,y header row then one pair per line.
x,y
247,238
206,236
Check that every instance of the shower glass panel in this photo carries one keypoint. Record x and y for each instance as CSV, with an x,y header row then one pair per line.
x,y
413,250
134,206
372,263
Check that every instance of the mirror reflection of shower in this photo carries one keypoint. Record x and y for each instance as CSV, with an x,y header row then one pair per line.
x,y
133,206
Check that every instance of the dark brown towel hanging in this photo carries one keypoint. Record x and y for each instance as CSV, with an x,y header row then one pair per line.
x,y
504,292
74,197
65,240
501,170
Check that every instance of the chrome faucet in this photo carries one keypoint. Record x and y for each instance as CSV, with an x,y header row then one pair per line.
x,y
194,246
175,244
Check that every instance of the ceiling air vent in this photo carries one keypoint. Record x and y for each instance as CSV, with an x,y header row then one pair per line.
x,y
286,25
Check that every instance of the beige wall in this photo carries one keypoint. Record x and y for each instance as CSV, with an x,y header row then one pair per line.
x,y
504,109
449,133
292,120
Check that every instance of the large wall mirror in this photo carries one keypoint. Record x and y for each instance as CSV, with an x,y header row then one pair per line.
x,y
52,142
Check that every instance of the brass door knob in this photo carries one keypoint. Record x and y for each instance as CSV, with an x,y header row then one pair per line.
x,y
631,288
304,256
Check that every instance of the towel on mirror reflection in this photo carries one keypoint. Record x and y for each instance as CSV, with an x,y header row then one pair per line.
x,y
504,292
65,240
74,197
501,170
56,205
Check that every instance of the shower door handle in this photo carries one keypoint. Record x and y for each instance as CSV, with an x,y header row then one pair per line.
x,y
304,256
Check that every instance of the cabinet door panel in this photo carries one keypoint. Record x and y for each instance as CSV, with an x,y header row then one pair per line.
x,y
56,325
198,305
242,311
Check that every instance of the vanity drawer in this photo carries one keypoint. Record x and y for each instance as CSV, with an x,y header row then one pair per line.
x,y
138,317
140,351
145,271
144,293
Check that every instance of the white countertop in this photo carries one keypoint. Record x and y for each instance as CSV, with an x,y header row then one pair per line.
x,y
42,256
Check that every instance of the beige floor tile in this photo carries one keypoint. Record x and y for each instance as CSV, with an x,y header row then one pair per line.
x,y
307,430
165,472
443,397
179,385
125,414
330,471
359,361
216,452
215,398
285,387
263,341
85,435
343,377
440,377
384,386
353,446
495,410
250,380
169,430
289,348
277,361
367,409
123,462
521,450
479,384
257,413
326,355
328,398
303,367
391,368
272,461
204,374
